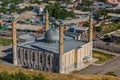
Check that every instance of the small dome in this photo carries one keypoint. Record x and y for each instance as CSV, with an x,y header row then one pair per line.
x,y
52,35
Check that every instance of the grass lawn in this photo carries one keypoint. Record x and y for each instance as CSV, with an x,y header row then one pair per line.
x,y
102,57
111,74
117,43
5,42
108,27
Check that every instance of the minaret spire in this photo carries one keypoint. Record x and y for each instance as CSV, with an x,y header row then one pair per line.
x,y
61,48
61,43
46,20
90,39
14,44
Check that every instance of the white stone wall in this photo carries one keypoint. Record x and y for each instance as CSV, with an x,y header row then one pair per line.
x,y
41,60
68,61
74,59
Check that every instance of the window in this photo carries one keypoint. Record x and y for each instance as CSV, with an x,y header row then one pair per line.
x,y
40,58
33,58
25,55
18,52
49,59
56,61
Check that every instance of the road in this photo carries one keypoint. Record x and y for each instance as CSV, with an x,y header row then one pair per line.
x,y
111,66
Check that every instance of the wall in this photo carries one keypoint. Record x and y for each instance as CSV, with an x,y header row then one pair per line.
x,y
41,60
76,58
84,55
112,48
69,61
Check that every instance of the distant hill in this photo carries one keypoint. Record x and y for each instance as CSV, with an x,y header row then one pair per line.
x,y
56,76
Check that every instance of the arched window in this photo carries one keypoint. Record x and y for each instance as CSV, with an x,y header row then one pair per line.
x,y
25,55
40,57
33,58
18,50
56,61
49,59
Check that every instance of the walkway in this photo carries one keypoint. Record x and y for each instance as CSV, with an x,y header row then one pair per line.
x,y
111,66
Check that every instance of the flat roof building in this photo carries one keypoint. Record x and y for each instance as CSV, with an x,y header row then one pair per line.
x,y
115,37
113,1
54,51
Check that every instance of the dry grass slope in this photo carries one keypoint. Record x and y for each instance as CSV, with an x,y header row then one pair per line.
x,y
56,76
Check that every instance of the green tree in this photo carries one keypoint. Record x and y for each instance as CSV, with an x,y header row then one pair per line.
x,y
101,12
102,0
45,0
57,12
85,5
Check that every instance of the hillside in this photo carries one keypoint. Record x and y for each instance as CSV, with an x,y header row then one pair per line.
x,y
56,76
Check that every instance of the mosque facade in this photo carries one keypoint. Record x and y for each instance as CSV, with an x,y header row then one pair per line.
x,y
54,52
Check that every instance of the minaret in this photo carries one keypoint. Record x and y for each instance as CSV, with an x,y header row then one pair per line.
x,y
90,39
61,48
90,28
46,21
14,45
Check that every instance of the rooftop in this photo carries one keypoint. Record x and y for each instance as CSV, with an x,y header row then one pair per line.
x,y
27,27
54,48
75,20
72,34
26,15
27,37
79,28
116,34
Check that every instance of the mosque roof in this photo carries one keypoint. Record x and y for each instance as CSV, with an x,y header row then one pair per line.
x,y
27,37
53,35
54,48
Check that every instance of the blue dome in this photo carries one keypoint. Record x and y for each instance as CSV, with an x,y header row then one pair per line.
x,y
52,35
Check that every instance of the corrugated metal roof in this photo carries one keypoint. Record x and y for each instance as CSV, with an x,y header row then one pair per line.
x,y
3,28
69,44
27,37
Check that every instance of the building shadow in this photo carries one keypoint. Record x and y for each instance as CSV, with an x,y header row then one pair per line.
x,y
8,56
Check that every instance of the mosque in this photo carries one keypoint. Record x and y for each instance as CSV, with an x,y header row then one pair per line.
x,y
54,52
